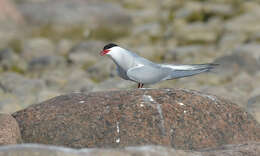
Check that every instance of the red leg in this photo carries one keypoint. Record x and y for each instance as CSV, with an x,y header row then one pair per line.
x,y
139,85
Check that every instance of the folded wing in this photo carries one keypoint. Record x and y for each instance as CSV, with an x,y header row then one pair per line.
x,y
147,74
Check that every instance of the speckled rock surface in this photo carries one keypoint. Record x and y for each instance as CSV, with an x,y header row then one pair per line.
x,y
248,149
9,130
179,118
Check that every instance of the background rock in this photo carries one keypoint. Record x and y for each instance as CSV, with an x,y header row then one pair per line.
x,y
85,53
254,106
37,47
246,22
102,70
249,149
9,130
46,62
9,12
178,118
11,22
192,33
9,60
77,12
236,150
18,91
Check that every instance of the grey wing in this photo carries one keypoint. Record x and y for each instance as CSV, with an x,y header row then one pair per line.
x,y
147,74
184,73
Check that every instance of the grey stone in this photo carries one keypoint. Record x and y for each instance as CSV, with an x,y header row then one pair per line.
x,y
81,85
19,85
102,70
37,47
19,91
66,80
249,49
153,53
229,41
219,9
66,12
92,47
86,52
255,37
46,62
57,79
244,57
8,59
237,87
147,32
113,84
247,149
197,32
79,81
64,46
245,23
204,10
241,87
253,106
190,53
11,22
46,94
188,10
9,103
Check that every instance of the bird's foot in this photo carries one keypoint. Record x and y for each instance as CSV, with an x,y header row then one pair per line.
x,y
140,85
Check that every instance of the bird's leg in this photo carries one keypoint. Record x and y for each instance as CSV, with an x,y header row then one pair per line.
x,y
139,85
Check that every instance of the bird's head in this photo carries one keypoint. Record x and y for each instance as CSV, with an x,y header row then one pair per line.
x,y
109,49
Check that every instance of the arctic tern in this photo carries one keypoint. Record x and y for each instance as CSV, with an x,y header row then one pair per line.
x,y
135,68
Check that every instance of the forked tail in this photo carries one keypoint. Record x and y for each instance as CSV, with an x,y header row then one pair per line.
x,y
179,71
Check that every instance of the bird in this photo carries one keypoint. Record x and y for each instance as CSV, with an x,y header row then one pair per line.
x,y
133,67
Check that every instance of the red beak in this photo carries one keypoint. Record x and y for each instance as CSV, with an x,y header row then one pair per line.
x,y
104,52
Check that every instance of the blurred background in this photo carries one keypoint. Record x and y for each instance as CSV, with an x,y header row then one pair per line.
x,y
51,47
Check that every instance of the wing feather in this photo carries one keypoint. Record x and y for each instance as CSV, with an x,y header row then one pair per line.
x,y
147,74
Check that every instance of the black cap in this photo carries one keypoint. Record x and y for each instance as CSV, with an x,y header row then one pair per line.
x,y
110,45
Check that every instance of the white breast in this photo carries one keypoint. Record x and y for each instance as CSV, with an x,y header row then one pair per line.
x,y
122,58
